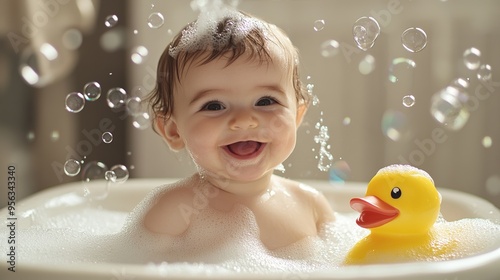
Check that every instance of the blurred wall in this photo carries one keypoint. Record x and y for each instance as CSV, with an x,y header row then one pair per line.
x,y
361,110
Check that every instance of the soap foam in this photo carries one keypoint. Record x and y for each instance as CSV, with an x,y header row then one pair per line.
x,y
207,34
216,242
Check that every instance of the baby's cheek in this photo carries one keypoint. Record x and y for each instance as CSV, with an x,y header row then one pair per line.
x,y
279,124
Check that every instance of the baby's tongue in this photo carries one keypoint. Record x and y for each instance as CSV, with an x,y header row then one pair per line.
x,y
244,148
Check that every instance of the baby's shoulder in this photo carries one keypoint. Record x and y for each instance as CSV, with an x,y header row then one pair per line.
x,y
167,207
297,188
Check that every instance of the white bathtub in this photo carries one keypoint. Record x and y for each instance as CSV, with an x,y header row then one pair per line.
x,y
123,197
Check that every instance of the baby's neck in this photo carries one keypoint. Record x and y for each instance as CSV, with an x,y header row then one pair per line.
x,y
239,189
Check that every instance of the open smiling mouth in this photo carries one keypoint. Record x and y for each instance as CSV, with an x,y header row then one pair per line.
x,y
245,149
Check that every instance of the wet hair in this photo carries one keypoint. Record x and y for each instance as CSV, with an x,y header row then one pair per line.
x,y
235,35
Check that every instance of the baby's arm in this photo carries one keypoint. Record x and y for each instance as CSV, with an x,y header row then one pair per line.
x,y
168,216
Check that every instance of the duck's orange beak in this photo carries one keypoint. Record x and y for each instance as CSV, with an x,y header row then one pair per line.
x,y
374,211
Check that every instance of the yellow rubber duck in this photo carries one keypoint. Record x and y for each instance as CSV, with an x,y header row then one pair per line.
x,y
400,208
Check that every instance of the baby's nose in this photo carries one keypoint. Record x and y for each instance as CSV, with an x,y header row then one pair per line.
x,y
243,119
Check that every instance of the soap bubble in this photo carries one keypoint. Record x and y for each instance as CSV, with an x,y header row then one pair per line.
x,y
94,170
398,66
92,91
112,40
110,176
319,25
116,97
39,67
111,20
30,136
346,121
330,48
72,167
460,83
54,135
414,39
121,173
493,185
472,58
367,65
75,102
107,137
72,39
339,171
484,72
155,20
139,92
408,100
134,106
139,54
448,107
487,142
141,121
394,125
365,32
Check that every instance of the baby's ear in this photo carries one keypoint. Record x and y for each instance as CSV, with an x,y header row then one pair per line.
x,y
301,112
167,128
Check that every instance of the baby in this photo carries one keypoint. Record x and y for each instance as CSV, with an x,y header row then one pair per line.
x,y
228,92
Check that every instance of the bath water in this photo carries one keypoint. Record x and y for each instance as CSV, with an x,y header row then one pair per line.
x,y
216,242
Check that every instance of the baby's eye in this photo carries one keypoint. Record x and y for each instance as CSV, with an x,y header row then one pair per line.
x,y
213,106
266,101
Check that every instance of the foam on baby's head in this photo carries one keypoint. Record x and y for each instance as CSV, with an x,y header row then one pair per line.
x,y
214,29
404,168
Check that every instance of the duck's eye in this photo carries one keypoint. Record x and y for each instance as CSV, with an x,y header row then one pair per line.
x,y
396,193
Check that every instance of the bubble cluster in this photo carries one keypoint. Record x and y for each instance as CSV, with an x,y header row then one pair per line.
x,y
111,20
325,158
74,102
365,32
116,97
72,167
448,107
414,39
156,20
92,91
